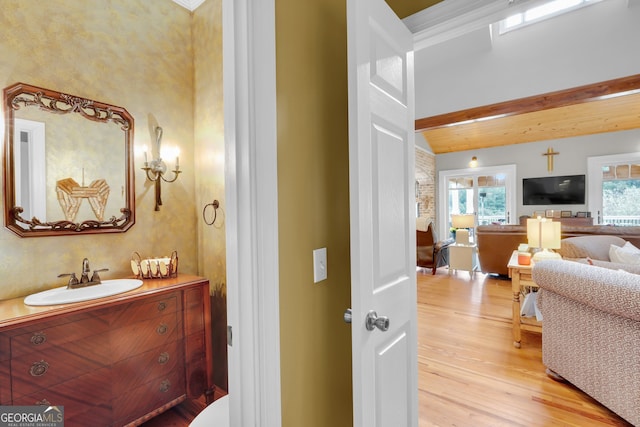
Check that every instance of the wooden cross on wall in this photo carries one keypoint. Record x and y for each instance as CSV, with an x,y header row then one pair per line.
x,y
550,153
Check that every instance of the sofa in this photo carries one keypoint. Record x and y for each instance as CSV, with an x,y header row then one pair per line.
x,y
496,243
591,329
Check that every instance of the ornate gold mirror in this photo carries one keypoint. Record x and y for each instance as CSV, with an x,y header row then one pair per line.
x,y
68,164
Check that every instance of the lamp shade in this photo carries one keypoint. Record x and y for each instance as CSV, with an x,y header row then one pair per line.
x,y
544,234
463,221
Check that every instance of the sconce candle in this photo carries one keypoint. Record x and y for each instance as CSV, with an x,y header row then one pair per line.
x,y
156,169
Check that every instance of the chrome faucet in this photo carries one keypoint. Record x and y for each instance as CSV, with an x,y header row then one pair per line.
x,y
84,278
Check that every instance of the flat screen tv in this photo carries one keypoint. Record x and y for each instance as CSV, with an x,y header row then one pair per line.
x,y
554,190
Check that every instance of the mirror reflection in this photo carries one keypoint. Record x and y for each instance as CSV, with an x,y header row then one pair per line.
x,y
68,166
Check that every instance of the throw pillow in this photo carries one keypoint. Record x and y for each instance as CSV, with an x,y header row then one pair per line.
x,y
594,246
627,254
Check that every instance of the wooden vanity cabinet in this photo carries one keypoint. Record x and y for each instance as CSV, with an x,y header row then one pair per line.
x,y
114,361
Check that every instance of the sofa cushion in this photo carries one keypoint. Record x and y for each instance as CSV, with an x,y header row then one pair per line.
x,y
626,254
594,247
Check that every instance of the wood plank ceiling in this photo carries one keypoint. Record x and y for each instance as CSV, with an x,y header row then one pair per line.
x,y
609,106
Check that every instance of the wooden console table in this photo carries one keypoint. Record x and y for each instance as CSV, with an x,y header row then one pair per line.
x,y
521,282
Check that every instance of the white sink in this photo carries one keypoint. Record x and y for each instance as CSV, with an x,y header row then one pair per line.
x,y
63,295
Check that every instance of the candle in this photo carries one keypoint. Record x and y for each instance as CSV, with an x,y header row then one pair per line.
x,y
145,158
177,162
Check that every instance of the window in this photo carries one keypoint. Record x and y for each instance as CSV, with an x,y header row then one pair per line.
x,y
487,192
614,188
492,199
540,13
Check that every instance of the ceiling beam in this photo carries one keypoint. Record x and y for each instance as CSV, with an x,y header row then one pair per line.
x,y
562,98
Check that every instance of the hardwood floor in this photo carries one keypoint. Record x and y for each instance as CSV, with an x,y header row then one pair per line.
x,y
470,374
178,416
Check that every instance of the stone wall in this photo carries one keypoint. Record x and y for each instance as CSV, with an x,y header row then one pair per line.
x,y
426,184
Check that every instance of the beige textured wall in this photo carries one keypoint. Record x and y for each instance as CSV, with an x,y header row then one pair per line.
x,y
209,164
209,140
136,54
313,205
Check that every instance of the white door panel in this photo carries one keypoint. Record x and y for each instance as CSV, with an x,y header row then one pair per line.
x,y
381,155
391,385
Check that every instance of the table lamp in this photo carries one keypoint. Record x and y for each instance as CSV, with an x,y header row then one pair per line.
x,y
544,234
462,224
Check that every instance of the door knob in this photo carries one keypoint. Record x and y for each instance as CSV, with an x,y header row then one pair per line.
x,y
373,321
347,316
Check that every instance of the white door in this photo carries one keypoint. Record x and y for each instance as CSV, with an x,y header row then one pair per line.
x,y
381,178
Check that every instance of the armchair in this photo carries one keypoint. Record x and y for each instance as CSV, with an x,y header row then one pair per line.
x,y
431,253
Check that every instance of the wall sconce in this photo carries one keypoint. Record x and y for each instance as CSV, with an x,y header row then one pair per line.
x,y
156,169
544,234
474,162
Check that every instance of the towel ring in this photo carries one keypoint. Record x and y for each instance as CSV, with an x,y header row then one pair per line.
x,y
215,205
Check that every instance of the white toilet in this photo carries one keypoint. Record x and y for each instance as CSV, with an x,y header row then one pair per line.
x,y
214,415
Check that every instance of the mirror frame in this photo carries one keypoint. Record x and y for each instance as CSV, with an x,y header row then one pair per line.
x,y
22,95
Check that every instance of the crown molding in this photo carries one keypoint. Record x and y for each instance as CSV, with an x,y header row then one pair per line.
x,y
453,18
191,5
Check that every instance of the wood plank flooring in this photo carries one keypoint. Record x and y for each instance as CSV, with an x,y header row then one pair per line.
x,y
470,375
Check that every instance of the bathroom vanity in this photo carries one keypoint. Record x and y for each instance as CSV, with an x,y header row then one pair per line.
x,y
113,361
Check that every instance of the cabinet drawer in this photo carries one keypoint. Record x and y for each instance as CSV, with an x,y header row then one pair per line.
x,y
39,337
138,337
135,371
88,394
148,397
34,371
143,310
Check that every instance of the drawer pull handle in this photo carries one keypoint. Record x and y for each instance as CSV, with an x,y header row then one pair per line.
x,y
38,369
43,402
38,338
162,329
165,385
162,306
163,358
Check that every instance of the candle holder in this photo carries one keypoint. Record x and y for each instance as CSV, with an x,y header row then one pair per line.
x,y
156,169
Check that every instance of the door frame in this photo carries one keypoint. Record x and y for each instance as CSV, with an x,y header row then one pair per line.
x,y
251,191
443,191
251,187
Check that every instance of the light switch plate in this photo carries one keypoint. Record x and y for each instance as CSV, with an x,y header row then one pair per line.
x,y
319,265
